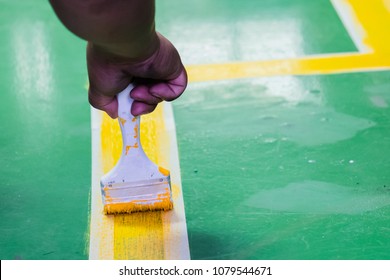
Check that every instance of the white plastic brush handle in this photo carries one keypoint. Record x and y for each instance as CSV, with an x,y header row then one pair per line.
x,y
135,177
133,165
130,125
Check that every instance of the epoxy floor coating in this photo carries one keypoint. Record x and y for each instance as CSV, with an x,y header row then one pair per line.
x,y
281,167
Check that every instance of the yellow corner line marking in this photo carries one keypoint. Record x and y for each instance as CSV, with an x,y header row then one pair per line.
x,y
372,15
375,19
299,66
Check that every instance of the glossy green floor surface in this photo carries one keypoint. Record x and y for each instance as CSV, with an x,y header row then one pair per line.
x,y
45,139
272,168
287,167
217,31
282,167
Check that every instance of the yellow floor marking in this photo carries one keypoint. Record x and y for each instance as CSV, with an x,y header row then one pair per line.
x,y
351,24
137,236
296,66
372,15
375,18
140,235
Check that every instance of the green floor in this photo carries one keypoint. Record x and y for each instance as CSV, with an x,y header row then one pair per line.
x,y
45,141
214,31
287,167
272,168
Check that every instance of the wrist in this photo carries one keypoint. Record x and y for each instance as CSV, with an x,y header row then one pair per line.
x,y
136,49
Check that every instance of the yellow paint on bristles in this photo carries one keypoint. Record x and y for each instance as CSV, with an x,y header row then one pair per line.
x,y
112,147
161,202
136,206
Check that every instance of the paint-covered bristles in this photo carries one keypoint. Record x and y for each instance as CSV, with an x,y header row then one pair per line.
x,y
131,207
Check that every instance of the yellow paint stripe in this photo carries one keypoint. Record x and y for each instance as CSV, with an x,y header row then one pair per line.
x,y
375,18
148,235
373,15
297,66
139,235
351,24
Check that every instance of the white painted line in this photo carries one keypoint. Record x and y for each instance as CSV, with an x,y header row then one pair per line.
x,y
101,244
176,239
352,25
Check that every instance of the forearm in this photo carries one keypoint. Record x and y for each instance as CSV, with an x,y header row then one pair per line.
x,y
119,27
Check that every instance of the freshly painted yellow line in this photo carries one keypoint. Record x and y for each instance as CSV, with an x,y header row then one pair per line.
x,y
375,18
146,235
297,66
137,236
372,15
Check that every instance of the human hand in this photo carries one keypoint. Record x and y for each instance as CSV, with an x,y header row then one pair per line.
x,y
160,77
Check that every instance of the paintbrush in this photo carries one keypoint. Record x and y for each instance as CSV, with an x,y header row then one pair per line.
x,y
135,183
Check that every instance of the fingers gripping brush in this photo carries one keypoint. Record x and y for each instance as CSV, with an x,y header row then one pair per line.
x,y
135,183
